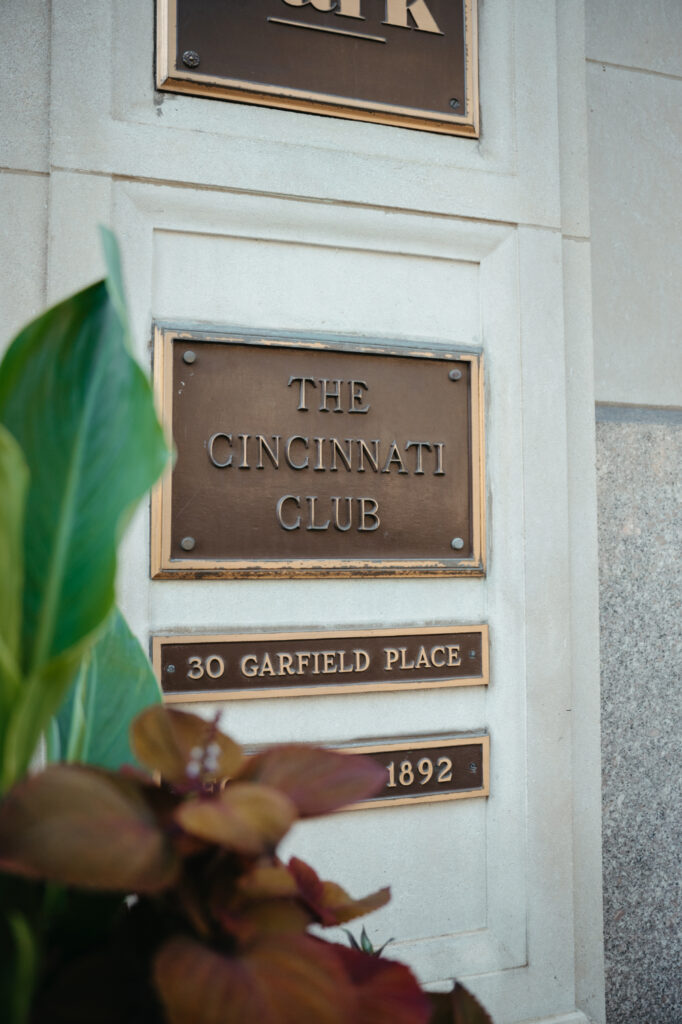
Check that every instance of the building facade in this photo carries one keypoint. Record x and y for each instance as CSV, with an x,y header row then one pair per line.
x,y
548,247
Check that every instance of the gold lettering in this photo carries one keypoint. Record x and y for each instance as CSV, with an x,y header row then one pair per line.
x,y
439,471
347,8
318,448
286,664
316,662
244,464
328,662
319,5
392,655
422,659
343,667
418,445
312,525
361,654
454,658
434,651
266,666
336,448
302,660
364,450
280,508
349,509
328,393
264,446
248,665
287,451
212,440
365,513
355,388
398,10
302,407
394,457
403,659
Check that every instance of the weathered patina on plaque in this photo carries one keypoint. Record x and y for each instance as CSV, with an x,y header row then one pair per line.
x,y
409,63
427,770
253,665
305,458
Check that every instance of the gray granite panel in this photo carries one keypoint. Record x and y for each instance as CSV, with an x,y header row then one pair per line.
x,y
640,538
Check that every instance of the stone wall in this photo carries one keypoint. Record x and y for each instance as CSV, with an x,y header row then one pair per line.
x,y
640,522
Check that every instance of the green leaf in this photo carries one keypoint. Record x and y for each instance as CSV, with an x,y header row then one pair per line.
x,y
25,967
13,487
82,411
117,682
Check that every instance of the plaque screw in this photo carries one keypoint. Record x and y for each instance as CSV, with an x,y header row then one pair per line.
x,y
187,543
473,767
170,668
454,103
189,357
472,654
455,375
190,59
457,543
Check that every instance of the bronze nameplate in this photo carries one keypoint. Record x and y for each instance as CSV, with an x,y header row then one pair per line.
x,y
238,666
304,458
423,771
411,63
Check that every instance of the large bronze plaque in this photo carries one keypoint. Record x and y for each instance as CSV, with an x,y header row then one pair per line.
x,y
410,63
426,770
237,666
304,458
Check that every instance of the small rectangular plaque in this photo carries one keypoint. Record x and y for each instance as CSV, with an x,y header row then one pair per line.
x,y
252,665
427,770
410,63
304,458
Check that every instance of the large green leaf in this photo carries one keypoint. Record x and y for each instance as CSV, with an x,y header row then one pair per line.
x,y
13,485
115,684
82,411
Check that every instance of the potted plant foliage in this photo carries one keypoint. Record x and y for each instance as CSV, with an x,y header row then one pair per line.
x,y
139,876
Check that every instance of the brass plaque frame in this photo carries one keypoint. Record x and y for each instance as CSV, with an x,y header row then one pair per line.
x,y
424,745
173,78
392,684
163,566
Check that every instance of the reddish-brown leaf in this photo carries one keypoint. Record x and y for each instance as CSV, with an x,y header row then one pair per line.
x,y
329,903
387,992
318,781
264,900
267,881
184,748
87,828
247,922
244,817
457,1007
287,980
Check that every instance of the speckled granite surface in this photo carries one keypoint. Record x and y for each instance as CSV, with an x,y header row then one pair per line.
x,y
640,537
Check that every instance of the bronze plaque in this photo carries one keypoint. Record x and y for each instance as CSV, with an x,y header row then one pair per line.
x,y
304,458
410,63
426,770
237,666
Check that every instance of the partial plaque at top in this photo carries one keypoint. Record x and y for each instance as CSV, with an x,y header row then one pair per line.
x,y
410,63
302,458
